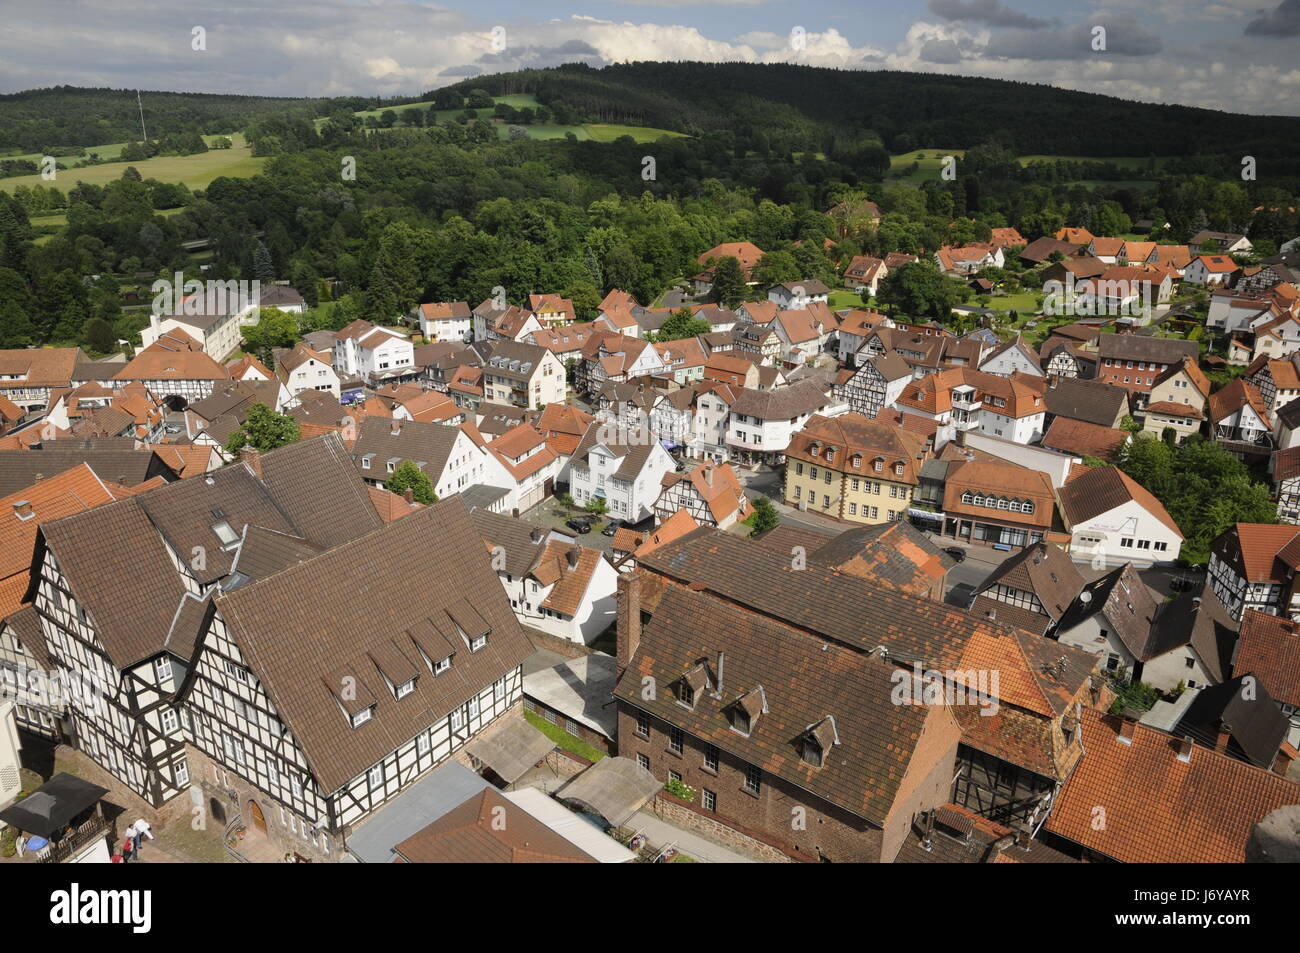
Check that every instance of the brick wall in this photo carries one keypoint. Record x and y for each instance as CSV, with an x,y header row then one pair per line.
x,y
802,824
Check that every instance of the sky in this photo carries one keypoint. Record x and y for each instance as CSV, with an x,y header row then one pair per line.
x,y
1236,55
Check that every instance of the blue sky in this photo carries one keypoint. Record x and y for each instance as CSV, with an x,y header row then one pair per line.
x,y
1239,55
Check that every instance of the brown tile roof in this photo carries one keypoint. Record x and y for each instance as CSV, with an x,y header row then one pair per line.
x,y
390,506
569,568
1238,394
1168,408
863,615
438,310
300,649
163,361
427,444
897,555
39,366
1255,550
747,253
1095,402
1159,809
999,478
785,402
488,829
1268,647
1077,236
1101,489
59,495
1084,439
872,743
22,468
716,485
840,441
1043,569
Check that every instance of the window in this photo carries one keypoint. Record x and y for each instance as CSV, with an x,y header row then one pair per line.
x,y
423,743
457,719
643,761
709,801
643,724
441,666
375,776
711,757
478,643
473,707
675,740
499,690
225,534
753,779
572,728
162,668
401,691
170,721
182,773
363,716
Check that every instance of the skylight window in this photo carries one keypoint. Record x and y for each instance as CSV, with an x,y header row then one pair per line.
x,y
224,533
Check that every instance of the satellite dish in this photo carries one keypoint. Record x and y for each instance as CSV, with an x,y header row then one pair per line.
x,y
1085,597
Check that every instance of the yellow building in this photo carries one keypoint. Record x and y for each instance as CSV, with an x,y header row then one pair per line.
x,y
853,468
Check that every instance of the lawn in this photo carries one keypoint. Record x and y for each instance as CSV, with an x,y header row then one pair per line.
x,y
608,132
1020,301
562,738
844,298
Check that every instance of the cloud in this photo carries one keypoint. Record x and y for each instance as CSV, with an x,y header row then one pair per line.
x,y
1284,21
1124,36
989,12
940,51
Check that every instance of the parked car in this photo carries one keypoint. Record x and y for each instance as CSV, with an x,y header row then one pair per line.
x,y
612,527
956,552
579,525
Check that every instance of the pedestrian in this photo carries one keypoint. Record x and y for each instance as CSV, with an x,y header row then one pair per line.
x,y
128,849
144,828
117,857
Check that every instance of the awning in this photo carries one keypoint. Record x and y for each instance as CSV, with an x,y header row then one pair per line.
x,y
615,788
512,750
48,810
924,515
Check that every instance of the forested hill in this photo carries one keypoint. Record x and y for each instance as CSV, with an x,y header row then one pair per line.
x,y
72,116
906,110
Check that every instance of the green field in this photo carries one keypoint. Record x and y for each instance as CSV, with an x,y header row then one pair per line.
x,y
927,167
1124,162
196,171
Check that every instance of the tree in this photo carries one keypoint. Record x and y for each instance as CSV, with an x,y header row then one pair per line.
x,y
765,517
682,324
409,476
598,506
264,430
729,282
274,328
263,265
919,289
99,336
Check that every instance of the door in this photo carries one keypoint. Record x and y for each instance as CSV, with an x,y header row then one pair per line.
x,y
255,817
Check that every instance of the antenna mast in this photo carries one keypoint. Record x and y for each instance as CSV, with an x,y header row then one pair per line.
x,y
144,136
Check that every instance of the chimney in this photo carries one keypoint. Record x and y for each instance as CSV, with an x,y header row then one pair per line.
x,y
409,495
1023,838
535,534
252,458
397,428
628,621
155,324
708,474
1225,735
575,551
722,661
23,510
1126,730
1185,748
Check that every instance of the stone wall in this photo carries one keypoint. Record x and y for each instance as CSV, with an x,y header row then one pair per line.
x,y
674,811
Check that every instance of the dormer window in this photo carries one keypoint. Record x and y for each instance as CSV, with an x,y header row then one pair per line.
x,y
685,694
817,741
363,716
879,465
442,665
740,721
478,643
812,753
404,689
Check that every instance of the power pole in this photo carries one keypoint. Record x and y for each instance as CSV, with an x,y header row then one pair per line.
x,y
144,136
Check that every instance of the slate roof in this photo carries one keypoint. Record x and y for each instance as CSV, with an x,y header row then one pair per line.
x,y
1128,606
300,648
1044,569
1095,402
1139,347
427,444
803,682
1243,708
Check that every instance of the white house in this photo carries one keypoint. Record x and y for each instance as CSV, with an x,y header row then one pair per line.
x,y
1013,356
553,584
762,422
301,368
1112,617
524,375
798,294
532,465
447,455
1210,270
445,321
367,351
622,467
1112,519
